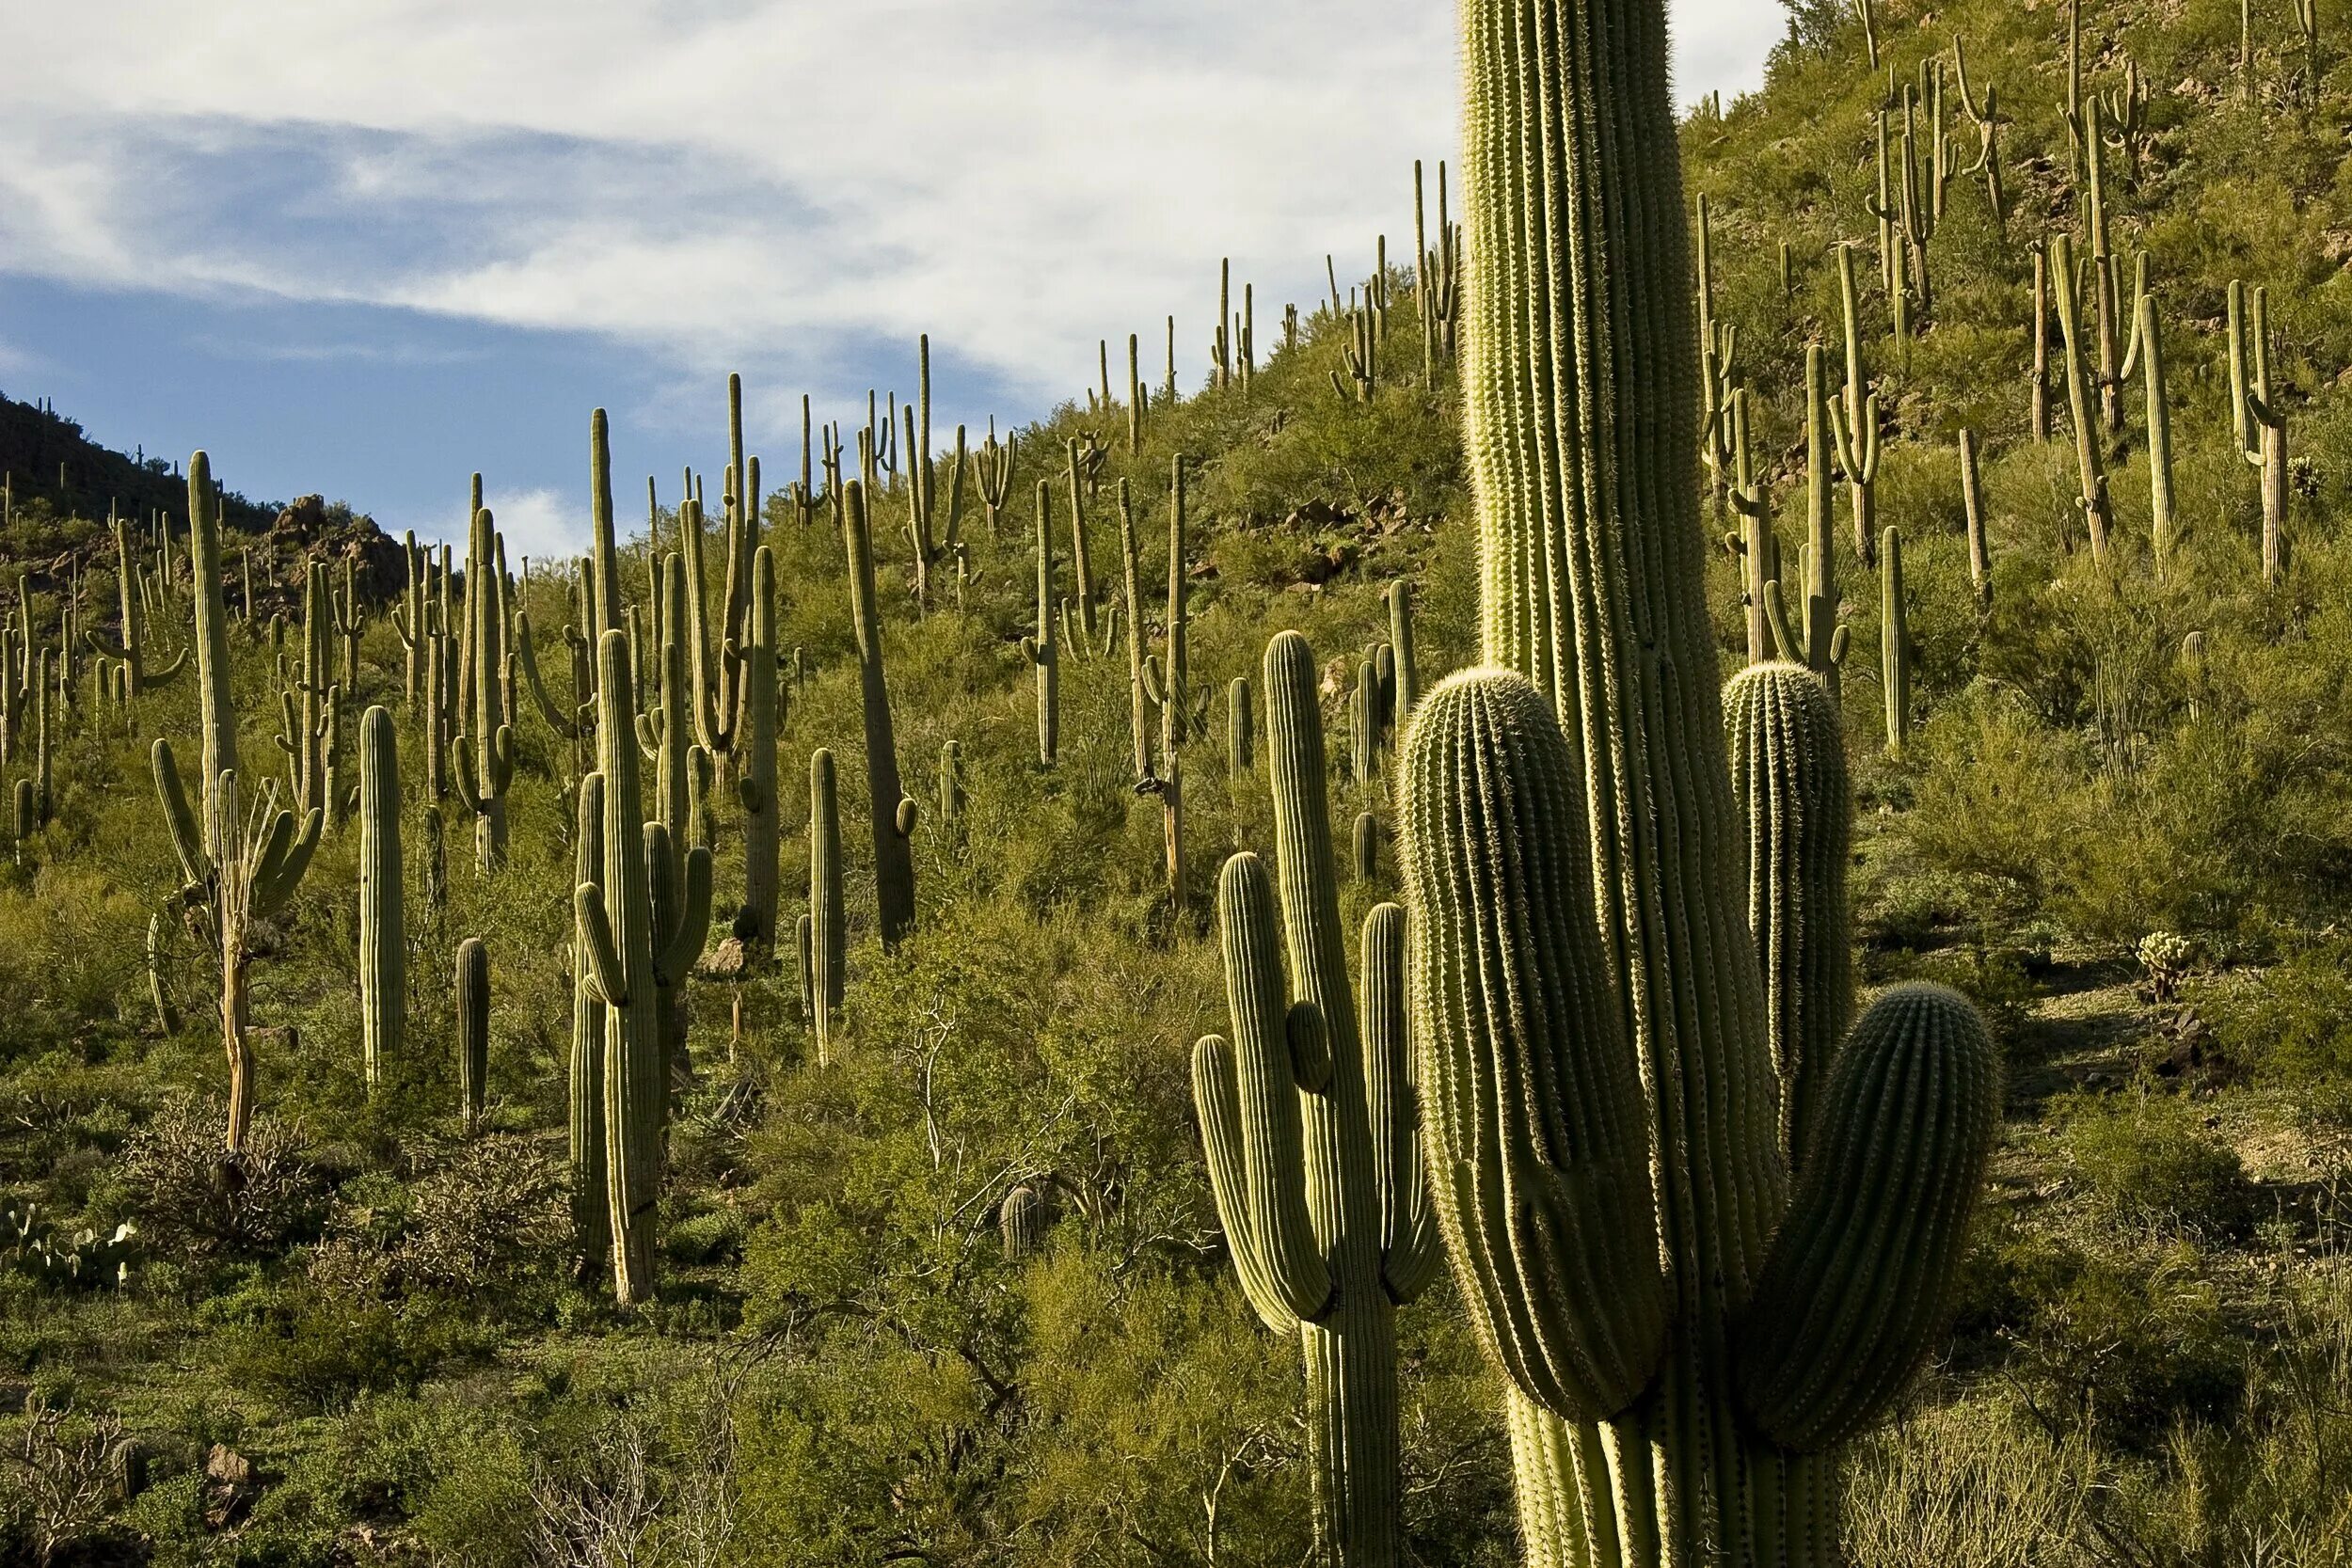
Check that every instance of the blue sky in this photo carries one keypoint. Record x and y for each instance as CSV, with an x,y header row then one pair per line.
x,y
369,247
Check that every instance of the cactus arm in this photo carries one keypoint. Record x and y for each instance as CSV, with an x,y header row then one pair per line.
x,y
278,870
1785,640
1860,1274
187,838
165,675
564,724
1532,1113
685,942
462,776
1215,1091
1410,1253
604,973
104,646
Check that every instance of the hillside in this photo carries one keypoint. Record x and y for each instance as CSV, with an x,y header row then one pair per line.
x,y
951,1288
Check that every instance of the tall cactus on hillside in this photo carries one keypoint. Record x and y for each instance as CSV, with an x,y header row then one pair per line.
x,y
1081,557
408,615
1971,507
1854,421
824,940
992,470
756,788
592,1213
641,927
383,935
1894,643
238,866
1307,1115
1174,690
2147,350
1040,649
2259,418
1638,1118
892,810
473,1032
133,651
483,746
2097,508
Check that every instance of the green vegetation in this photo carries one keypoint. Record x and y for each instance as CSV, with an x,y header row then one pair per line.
x,y
882,1200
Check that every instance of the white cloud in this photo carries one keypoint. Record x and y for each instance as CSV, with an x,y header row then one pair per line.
x,y
779,185
540,524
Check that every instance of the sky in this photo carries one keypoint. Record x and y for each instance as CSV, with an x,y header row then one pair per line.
x,y
366,247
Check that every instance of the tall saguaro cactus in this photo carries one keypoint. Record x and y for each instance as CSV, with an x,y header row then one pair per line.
x,y
1307,1117
640,927
132,652
591,1214
755,788
1040,649
484,749
892,810
1611,1183
383,936
238,867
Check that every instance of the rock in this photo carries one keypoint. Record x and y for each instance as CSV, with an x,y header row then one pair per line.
x,y
230,1487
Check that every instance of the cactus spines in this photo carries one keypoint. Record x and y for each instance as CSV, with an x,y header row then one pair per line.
x,y
1894,643
1022,1220
1972,503
383,936
1320,1191
2097,510
894,859
1367,846
641,927
473,1031
1240,730
1580,413
158,961
1860,1276
824,941
2259,418
591,1214
1788,770
1040,649
1510,981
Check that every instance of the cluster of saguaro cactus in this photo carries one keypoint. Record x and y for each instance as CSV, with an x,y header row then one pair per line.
x,y
1624,1128
2097,508
1437,279
1306,1112
132,652
1853,420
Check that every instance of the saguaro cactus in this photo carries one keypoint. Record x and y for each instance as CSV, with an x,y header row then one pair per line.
x,y
484,749
237,868
757,786
2097,509
891,809
1647,1134
1895,642
383,936
1040,649
473,1031
2260,420
1311,1154
640,927
158,959
591,1214
132,652
1972,504
1854,421
824,943
2147,350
